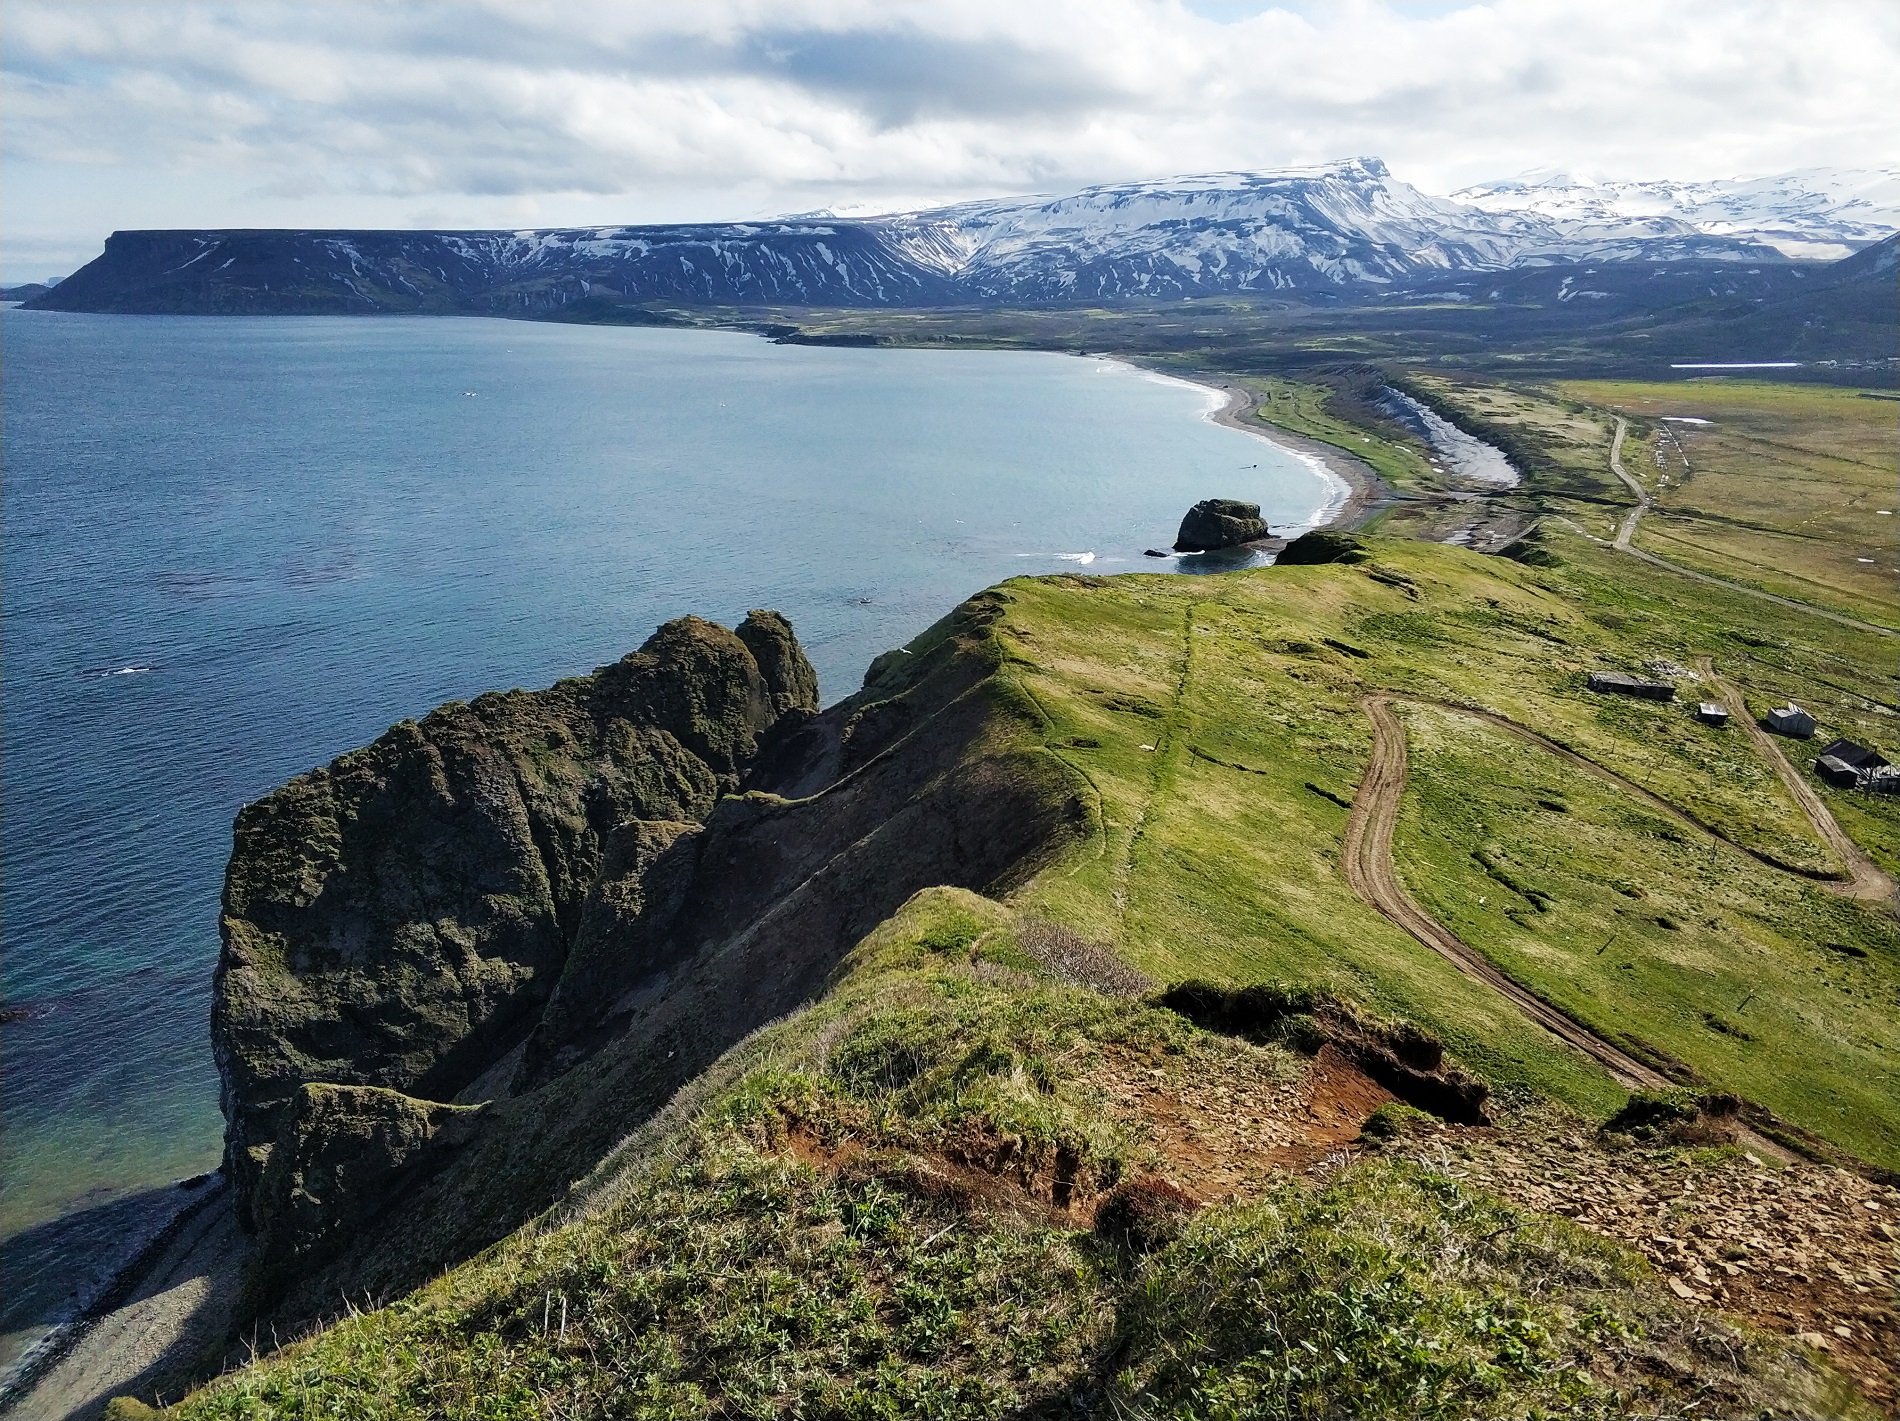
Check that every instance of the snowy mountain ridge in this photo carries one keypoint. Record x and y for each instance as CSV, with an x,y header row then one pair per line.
x,y
1334,227
1814,214
1352,223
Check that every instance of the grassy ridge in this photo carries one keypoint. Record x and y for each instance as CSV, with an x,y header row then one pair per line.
x,y
811,1242
878,1207
1218,720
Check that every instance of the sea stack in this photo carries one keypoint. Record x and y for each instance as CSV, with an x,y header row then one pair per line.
x,y
1219,523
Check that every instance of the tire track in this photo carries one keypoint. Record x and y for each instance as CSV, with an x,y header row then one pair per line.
x,y
1865,881
1368,863
1627,530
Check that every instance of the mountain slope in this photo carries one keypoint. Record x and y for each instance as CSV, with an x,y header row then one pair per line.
x,y
492,273
1817,214
1347,226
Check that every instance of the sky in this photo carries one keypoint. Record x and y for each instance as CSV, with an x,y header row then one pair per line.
x,y
518,113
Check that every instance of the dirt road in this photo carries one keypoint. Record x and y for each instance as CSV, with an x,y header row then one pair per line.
x,y
1865,880
1368,863
1627,530
1375,810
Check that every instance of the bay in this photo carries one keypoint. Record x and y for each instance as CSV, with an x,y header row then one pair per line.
x,y
235,548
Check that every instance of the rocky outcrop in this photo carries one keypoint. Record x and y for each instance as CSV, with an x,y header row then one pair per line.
x,y
1216,523
690,931
400,917
1322,545
341,1154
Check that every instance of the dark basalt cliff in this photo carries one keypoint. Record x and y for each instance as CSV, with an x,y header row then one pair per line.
x,y
560,906
1216,523
399,917
245,272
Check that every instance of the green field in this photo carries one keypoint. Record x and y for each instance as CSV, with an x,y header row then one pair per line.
x,y
1308,407
1220,851
1782,488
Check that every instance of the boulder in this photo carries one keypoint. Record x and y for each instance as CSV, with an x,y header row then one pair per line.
x,y
1219,523
1322,545
343,1152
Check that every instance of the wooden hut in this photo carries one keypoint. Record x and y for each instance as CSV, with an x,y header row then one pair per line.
x,y
1790,720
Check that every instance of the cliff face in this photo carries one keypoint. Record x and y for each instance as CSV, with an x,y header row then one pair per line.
x,y
398,918
569,903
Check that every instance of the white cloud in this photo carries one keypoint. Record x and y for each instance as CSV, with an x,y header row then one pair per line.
x,y
396,113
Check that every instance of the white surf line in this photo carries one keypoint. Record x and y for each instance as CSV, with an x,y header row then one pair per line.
x,y
1222,400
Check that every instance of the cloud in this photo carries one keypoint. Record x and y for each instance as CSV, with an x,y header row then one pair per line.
x,y
500,111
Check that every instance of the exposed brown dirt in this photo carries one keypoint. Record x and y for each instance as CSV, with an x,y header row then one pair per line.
x,y
1800,1249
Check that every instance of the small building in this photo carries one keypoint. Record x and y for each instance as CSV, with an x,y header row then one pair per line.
x,y
1790,720
1837,772
1882,779
1846,765
1617,683
1859,756
1712,713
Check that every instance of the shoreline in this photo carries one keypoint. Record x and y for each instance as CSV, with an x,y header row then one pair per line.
x,y
35,1378
1355,492
86,1342
1362,493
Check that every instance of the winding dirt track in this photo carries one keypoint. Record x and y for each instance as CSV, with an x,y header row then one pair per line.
x,y
1865,881
1375,810
1368,863
1627,530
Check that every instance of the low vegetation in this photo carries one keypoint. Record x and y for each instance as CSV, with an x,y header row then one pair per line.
x,y
868,1220
996,1168
1778,486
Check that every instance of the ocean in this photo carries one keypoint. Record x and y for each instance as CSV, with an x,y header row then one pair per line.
x,y
235,548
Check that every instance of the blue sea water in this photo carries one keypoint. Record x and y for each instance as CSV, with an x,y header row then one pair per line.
x,y
235,548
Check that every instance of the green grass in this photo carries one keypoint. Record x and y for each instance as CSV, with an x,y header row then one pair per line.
x,y
1781,489
1221,844
801,1243
1784,993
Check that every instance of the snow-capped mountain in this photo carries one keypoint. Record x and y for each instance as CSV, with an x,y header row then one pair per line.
x,y
1341,227
1341,224
1814,214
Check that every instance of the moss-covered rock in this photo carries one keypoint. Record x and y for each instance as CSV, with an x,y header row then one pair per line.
x,y
342,1154
1216,523
1322,545
399,917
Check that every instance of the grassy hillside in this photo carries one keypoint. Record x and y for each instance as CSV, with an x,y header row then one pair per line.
x,y
879,1207
991,1171
1218,719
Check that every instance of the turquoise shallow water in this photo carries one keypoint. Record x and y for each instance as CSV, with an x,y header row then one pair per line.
x,y
236,548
